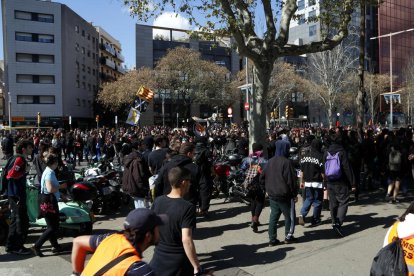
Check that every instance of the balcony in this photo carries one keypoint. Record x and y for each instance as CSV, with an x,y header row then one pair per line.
x,y
121,70
120,57
108,48
107,62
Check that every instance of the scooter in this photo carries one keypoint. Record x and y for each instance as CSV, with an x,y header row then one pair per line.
x,y
75,206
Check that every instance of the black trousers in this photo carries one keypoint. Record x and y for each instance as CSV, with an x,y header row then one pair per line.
x,y
52,221
19,224
257,204
205,192
338,202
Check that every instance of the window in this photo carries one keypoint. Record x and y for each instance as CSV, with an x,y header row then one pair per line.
x,y
312,15
83,50
30,37
93,72
42,99
301,19
89,37
83,85
89,70
83,67
311,2
32,16
35,58
301,4
44,38
89,87
42,79
84,103
78,102
77,83
77,66
312,30
83,32
77,29
89,53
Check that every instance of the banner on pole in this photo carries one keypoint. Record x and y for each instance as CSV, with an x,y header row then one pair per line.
x,y
133,117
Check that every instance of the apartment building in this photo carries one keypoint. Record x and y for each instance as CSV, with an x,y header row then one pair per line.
x,y
110,57
51,62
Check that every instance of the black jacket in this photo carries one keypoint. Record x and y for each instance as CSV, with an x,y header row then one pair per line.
x,y
311,163
279,179
135,176
347,177
162,185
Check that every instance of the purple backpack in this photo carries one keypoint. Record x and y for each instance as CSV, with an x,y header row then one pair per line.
x,y
333,167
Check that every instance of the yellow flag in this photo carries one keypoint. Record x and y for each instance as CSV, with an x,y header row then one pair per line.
x,y
133,116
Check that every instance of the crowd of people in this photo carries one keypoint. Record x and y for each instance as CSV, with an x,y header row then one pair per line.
x,y
170,171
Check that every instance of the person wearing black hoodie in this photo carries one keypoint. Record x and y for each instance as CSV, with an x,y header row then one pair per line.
x,y
279,179
311,165
183,159
338,188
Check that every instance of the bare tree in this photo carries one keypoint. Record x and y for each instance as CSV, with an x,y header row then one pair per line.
x,y
330,70
409,86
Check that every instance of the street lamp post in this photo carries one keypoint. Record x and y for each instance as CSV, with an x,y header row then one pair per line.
x,y
10,118
390,35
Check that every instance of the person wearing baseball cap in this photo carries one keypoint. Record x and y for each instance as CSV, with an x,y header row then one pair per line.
x,y
119,253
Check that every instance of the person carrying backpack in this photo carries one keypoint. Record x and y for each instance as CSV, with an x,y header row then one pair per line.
x,y
402,232
135,177
15,174
253,166
394,170
340,179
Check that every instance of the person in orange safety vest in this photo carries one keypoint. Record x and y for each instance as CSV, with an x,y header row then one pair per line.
x,y
119,253
404,230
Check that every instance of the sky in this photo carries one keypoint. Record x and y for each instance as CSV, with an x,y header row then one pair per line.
x,y
115,19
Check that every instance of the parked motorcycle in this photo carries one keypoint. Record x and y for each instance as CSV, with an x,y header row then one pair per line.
x,y
74,207
223,167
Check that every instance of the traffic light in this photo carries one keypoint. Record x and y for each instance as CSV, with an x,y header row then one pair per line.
x,y
291,112
145,94
97,118
287,112
38,118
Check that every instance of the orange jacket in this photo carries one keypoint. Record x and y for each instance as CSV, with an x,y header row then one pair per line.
x,y
109,249
407,246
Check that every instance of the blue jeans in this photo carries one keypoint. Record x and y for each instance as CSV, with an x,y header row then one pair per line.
x,y
276,209
314,197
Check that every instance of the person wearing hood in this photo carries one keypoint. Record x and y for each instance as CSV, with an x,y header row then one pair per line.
x,y
279,179
404,230
253,165
311,179
340,180
135,177
282,145
184,158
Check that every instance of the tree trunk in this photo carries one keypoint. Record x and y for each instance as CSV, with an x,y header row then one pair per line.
x,y
257,126
360,98
330,114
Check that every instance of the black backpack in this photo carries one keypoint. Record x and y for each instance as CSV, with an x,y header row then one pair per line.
x,y
4,172
390,261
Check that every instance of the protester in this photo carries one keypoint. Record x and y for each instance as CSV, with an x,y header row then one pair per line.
x,y
16,192
254,165
404,230
48,206
311,179
340,179
176,254
279,179
141,230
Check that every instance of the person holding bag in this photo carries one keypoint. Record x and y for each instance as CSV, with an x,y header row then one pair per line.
x,y
48,205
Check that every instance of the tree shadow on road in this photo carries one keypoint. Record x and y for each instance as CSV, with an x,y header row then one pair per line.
x,y
242,255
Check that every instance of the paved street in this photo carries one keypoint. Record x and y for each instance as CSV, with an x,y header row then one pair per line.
x,y
227,246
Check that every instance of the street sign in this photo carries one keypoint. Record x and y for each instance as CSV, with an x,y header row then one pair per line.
x,y
246,106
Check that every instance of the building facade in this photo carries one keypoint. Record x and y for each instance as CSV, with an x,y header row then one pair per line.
x,y
110,57
52,63
151,47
